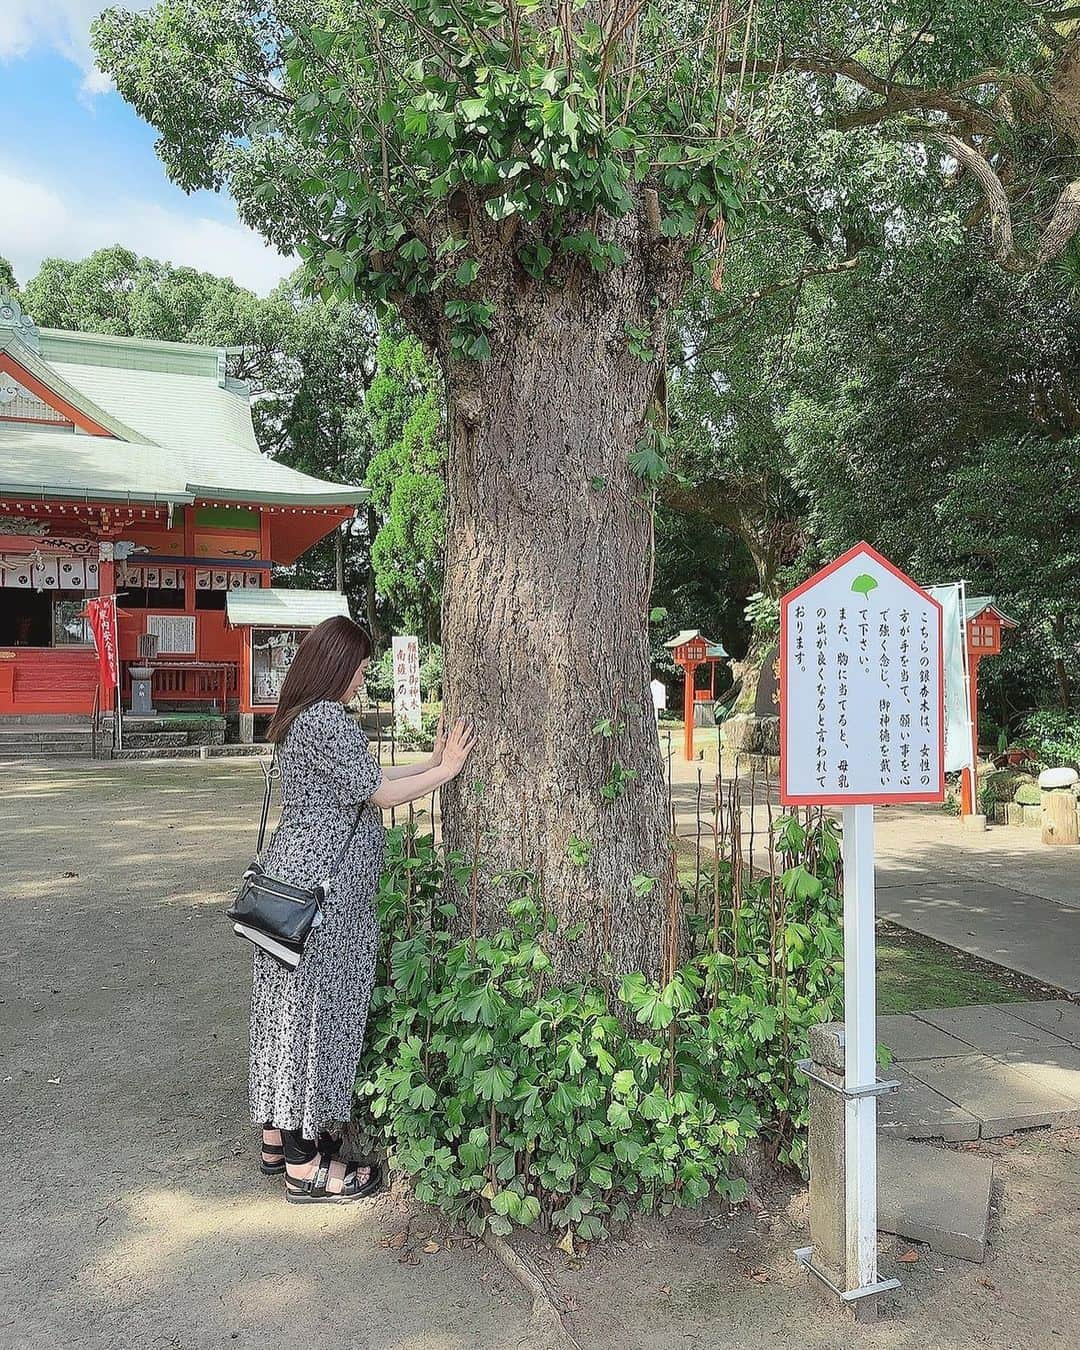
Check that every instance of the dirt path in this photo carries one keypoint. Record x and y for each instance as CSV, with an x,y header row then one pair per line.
x,y
134,1216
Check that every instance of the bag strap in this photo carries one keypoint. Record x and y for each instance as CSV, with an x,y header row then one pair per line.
x,y
272,771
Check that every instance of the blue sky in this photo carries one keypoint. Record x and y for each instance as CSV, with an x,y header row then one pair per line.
x,y
78,169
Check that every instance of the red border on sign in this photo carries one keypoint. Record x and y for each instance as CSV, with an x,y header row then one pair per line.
x,y
857,799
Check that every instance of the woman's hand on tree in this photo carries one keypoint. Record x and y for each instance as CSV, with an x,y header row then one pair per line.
x,y
459,746
440,742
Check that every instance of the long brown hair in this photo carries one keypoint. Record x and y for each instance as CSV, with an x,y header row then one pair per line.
x,y
323,668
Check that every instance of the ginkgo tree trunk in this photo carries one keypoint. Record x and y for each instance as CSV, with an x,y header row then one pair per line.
x,y
529,184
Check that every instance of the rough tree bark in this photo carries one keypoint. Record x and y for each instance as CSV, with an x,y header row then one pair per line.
x,y
546,600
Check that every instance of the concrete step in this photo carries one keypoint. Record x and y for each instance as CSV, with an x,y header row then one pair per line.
x,y
194,752
44,721
25,738
37,756
154,740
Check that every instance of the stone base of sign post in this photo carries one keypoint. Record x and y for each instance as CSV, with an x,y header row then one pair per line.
x,y
247,728
827,1257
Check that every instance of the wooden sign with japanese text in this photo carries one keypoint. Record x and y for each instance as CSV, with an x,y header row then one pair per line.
x,y
406,659
861,687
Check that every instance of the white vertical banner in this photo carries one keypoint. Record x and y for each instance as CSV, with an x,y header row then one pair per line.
x,y
957,704
405,652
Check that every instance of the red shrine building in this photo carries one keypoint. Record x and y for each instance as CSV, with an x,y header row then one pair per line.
x,y
130,467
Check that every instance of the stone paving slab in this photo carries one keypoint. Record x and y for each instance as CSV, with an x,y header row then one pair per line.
x,y
909,1037
1001,1097
916,1111
991,1029
1057,1070
1059,1015
1013,928
936,1196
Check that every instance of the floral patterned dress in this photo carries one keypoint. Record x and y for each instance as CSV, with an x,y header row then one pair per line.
x,y
307,1026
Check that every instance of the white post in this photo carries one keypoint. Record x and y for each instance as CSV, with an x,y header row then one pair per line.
x,y
860,1047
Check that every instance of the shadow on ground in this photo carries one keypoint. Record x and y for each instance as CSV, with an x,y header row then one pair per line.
x,y
135,1217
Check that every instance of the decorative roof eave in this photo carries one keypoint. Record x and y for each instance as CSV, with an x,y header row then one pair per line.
x,y
46,491
344,496
40,370
713,650
976,605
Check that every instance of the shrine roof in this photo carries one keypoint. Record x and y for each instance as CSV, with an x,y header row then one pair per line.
x,y
36,463
177,424
284,608
713,649
975,604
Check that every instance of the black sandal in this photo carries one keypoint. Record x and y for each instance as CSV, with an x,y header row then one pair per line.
x,y
276,1166
313,1191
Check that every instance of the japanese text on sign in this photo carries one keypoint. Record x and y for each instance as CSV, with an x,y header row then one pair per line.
x,y
861,687
406,657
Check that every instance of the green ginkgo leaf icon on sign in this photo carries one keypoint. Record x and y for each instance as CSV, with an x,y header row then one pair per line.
x,y
863,584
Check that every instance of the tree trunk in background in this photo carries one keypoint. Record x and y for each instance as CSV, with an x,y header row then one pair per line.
x,y
545,617
339,558
371,599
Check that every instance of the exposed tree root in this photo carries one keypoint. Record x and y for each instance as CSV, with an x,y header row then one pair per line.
x,y
544,1311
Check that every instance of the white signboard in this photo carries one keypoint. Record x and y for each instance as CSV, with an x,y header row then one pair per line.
x,y
659,696
861,687
175,633
406,658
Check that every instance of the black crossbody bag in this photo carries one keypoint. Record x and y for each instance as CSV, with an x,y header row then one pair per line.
x,y
273,914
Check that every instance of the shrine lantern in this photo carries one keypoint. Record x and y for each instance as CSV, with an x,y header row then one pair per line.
x,y
984,624
691,649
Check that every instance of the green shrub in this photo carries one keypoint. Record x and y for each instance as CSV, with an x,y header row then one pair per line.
x,y
1001,786
418,738
1027,794
1053,735
509,1097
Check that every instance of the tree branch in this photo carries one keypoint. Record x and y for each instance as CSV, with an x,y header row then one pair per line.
x,y
1064,221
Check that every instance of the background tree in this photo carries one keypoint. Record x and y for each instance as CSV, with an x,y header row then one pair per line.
x,y
530,186
404,432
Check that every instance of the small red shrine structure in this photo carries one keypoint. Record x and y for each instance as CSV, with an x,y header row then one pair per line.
x,y
984,624
691,649
130,468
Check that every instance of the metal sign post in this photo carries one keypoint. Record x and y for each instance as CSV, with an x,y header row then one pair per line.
x,y
860,1047
861,724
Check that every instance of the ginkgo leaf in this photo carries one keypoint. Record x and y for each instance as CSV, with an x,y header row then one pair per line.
x,y
863,584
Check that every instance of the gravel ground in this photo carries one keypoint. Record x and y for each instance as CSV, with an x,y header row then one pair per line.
x,y
134,1214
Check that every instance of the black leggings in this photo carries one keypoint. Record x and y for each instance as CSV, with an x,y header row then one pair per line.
x,y
299,1150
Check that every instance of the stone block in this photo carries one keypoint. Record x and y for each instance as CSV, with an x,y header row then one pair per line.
x,y
917,1111
1060,1016
1001,1097
910,1037
1055,1070
936,1196
992,1030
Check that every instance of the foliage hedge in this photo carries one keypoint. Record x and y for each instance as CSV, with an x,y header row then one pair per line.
x,y
1054,736
508,1097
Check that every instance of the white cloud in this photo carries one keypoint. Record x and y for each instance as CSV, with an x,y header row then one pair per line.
x,y
38,222
62,24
